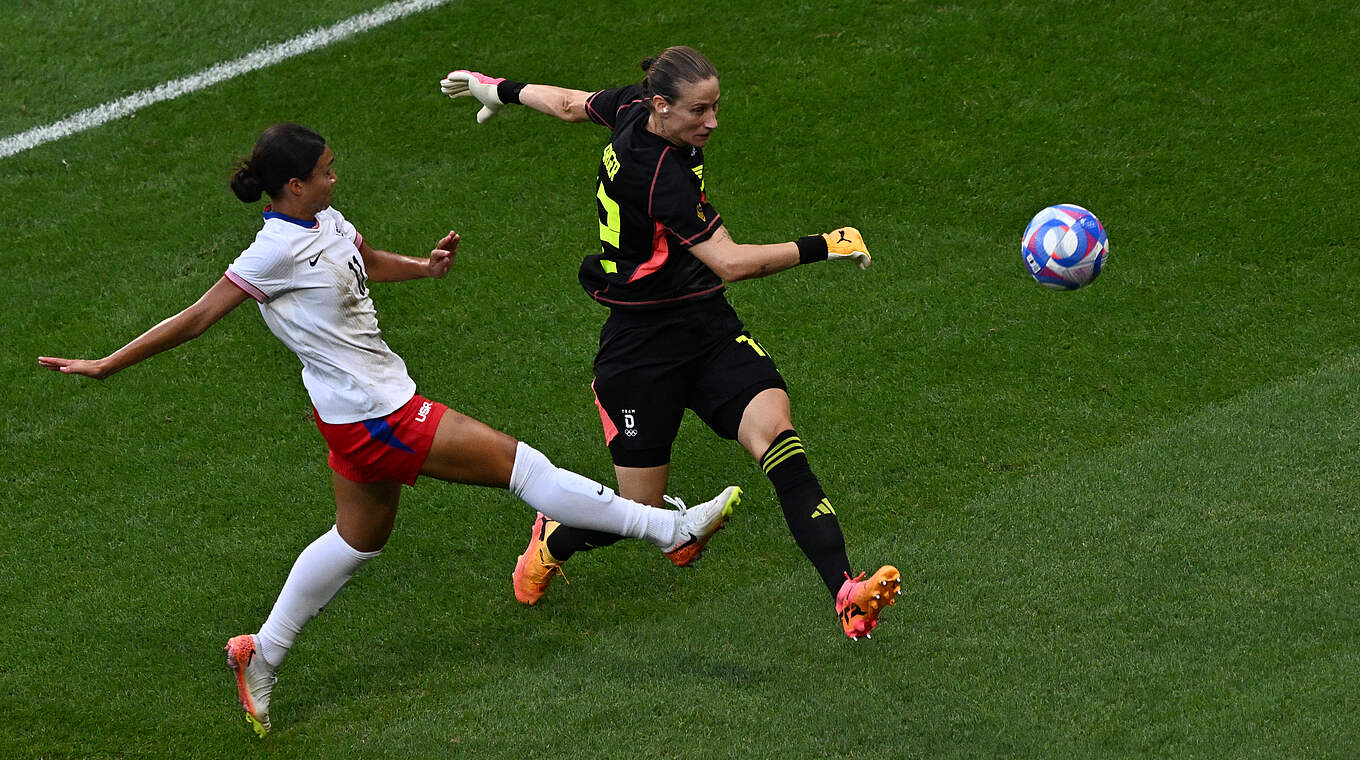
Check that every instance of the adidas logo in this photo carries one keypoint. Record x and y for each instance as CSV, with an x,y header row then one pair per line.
x,y
823,508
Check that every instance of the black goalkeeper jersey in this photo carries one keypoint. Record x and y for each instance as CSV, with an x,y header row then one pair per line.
x,y
652,207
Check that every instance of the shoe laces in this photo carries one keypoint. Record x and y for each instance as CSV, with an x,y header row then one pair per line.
x,y
682,524
549,569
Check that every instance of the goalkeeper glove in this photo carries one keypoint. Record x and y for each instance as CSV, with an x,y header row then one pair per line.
x,y
843,243
491,93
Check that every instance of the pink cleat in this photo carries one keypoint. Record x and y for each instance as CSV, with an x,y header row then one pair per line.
x,y
859,601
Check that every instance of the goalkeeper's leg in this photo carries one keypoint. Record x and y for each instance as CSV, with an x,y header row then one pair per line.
x,y
767,432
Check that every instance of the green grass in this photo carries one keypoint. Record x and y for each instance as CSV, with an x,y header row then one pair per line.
x,y
1125,515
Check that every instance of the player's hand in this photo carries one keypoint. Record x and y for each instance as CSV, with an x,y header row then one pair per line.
x,y
84,367
441,258
480,86
847,243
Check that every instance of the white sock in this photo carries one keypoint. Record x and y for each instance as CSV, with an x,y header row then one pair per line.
x,y
317,575
580,502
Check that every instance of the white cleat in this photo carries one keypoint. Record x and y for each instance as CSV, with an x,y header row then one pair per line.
x,y
254,680
697,524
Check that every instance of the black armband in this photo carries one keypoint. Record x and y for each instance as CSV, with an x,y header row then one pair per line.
x,y
508,92
811,248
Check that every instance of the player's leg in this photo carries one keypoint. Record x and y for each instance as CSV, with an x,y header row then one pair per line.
x,y
767,432
643,484
743,396
467,451
364,515
649,483
644,370
551,544
640,413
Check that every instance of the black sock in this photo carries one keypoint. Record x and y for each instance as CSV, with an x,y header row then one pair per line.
x,y
566,541
811,519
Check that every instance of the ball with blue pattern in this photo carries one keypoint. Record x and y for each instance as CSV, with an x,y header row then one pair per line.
x,y
1064,247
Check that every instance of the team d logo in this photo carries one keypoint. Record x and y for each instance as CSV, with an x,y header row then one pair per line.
x,y
629,423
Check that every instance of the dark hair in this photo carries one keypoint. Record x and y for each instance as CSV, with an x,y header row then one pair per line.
x,y
282,152
673,66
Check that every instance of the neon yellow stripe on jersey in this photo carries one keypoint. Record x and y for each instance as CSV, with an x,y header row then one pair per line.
x,y
609,232
609,267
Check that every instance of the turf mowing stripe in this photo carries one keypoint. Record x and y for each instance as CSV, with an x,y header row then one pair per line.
x,y
266,56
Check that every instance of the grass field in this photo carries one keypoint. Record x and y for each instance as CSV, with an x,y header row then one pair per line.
x,y
1125,516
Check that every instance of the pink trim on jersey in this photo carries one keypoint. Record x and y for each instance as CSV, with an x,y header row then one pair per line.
x,y
716,218
595,115
610,430
652,190
661,251
243,284
358,240
597,295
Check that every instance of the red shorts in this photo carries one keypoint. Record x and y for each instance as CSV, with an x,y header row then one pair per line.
x,y
384,448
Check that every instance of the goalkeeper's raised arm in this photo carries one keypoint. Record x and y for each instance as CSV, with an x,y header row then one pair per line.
x,y
493,93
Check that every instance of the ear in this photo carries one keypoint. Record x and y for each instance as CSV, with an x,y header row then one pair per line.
x,y
659,104
294,186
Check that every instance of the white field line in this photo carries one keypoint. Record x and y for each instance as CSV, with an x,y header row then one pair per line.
x,y
266,56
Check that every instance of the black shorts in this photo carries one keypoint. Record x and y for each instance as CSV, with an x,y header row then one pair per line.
x,y
652,365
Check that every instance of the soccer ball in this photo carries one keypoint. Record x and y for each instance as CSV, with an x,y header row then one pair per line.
x,y
1064,247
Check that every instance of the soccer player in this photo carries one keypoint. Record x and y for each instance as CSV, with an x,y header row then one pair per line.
x,y
671,340
309,269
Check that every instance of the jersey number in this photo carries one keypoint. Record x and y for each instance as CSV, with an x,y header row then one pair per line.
x,y
609,228
359,276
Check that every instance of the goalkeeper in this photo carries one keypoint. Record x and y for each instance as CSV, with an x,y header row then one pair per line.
x,y
671,340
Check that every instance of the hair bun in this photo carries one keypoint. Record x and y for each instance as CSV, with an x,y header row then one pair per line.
x,y
246,185
646,64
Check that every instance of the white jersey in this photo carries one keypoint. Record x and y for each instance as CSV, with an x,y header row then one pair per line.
x,y
310,281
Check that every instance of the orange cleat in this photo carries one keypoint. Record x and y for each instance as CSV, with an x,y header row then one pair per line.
x,y
859,601
536,565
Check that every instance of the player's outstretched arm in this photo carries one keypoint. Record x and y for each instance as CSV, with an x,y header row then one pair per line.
x,y
385,266
734,261
221,298
495,92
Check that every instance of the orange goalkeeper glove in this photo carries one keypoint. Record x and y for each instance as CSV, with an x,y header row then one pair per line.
x,y
847,243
